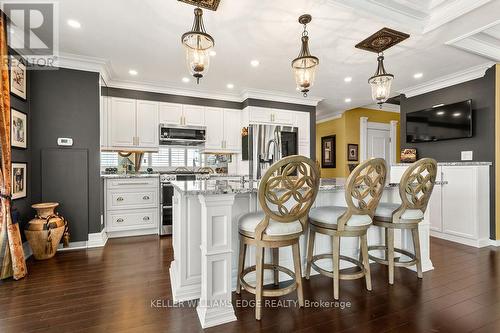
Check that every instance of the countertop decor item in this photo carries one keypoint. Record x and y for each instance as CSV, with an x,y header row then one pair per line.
x,y
45,231
408,155
305,65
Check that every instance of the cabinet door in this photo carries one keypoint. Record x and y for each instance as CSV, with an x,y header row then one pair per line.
x,y
215,128
283,117
122,122
302,121
435,209
232,130
147,124
170,113
459,208
194,115
260,115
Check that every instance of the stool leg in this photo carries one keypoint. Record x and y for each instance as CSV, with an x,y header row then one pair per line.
x,y
336,264
298,273
390,253
241,265
310,250
276,259
416,245
259,263
366,261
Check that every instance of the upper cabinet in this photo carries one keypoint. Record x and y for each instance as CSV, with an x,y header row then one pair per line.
x,y
185,115
132,125
223,130
258,115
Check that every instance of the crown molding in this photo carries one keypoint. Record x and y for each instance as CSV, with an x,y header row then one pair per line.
x,y
280,97
83,63
469,74
326,118
386,107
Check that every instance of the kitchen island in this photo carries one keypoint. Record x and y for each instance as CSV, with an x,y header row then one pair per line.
x,y
205,241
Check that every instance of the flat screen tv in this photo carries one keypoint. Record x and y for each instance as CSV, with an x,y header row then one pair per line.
x,y
441,122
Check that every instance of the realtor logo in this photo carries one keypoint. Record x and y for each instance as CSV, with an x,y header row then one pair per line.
x,y
32,29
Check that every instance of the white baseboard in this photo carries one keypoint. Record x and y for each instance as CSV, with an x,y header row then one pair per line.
x,y
479,243
98,239
494,242
132,233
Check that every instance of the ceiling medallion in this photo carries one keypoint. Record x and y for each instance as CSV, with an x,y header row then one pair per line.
x,y
305,65
207,4
382,40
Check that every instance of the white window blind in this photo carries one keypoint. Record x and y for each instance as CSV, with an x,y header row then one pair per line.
x,y
109,159
177,157
160,159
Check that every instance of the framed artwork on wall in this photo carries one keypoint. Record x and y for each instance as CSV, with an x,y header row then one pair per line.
x,y
352,152
19,171
19,129
18,78
328,152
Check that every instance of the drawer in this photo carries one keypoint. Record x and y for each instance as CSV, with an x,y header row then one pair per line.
x,y
129,199
131,220
131,183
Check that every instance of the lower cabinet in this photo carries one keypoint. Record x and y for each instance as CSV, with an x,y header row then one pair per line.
x,y
131,206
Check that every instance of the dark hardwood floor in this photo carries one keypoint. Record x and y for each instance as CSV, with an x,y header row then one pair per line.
x,y
111,290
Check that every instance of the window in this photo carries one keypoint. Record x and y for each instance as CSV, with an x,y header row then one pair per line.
x,y
166,157
109,159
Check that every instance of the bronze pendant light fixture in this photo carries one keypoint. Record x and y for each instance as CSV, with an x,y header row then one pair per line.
x,y
381,82
198,44
305,65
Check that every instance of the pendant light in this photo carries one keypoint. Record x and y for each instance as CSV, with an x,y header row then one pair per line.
x,y
198,45
305,65
381,82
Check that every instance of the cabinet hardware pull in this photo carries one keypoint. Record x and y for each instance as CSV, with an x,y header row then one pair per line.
x,y
146,218
145,197
127,184
119,199
119,221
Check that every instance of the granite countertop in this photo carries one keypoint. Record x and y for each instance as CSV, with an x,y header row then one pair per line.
x,y
460,163
129,175
214,187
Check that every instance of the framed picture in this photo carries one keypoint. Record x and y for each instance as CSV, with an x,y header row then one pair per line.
x,y
408,155
352,152
19,171
19,129
18,78
328,152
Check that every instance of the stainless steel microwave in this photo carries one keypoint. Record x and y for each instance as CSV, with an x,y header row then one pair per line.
x,y
182,135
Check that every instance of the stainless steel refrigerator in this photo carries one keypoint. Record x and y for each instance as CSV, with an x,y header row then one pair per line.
x,y
268,144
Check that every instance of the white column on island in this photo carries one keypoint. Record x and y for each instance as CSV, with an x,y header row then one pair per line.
x,y
215,306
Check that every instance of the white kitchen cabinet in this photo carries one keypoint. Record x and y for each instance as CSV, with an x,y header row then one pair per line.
x,y
170,113
194,115
103,119
122,122
302,122
223,130
283,117
259,115
147,124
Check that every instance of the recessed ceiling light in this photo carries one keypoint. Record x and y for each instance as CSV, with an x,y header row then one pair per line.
x,y
74,24
185,80
348,79
212,53
133,72
255,63
347,100
440,113
230,86
418,75
457,114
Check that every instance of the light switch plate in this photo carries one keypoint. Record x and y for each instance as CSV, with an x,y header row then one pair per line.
x,y
467,155
67,142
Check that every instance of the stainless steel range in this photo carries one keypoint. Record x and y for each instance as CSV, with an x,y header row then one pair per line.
x,y
167,193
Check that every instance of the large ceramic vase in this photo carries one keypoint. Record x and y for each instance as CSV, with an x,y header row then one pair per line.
x,y
45,231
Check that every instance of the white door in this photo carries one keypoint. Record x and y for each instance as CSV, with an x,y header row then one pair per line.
x,y
122,122
194,115
170,113
215,128
147,124
232,130
379,144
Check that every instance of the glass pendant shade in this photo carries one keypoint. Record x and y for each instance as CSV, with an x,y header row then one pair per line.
x,y
305,65
198,45
381,83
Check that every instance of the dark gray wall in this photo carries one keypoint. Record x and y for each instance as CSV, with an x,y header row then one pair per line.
x,y
65,103
482,94
23,206
150,96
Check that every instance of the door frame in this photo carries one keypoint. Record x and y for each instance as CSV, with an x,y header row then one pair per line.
x,y
364,125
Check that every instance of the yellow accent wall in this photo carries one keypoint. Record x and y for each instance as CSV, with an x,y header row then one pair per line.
x,y
346,130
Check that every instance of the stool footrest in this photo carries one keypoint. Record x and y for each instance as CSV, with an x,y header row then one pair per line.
x,y
269,292
397,262
342,276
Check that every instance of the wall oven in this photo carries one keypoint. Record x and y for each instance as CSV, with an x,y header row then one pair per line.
x,y
182,135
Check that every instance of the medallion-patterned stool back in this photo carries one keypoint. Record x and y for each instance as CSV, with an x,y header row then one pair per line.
x,y
417,184
288,189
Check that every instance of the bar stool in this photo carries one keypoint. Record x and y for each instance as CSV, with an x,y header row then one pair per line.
x,y
363,190
415,189
286,193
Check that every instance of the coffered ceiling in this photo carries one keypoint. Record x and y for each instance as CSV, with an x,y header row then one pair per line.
x,y
145,36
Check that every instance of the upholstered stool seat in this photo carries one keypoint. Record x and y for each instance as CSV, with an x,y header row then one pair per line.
x,y
385,211
248,223
329,215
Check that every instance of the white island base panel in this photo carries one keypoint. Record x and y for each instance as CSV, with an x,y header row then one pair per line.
x,y
206,245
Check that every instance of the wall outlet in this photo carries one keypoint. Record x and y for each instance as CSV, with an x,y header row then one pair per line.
x,y
467,155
